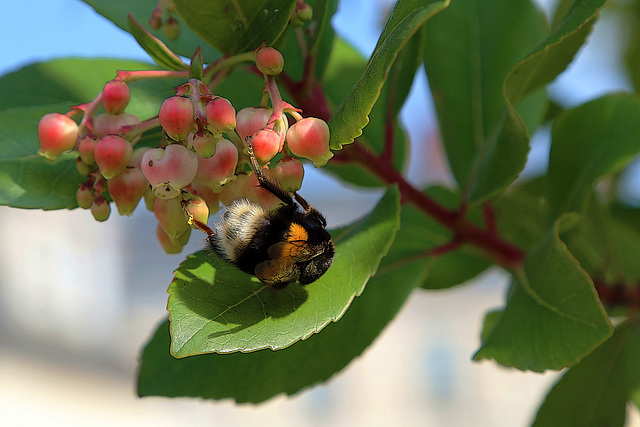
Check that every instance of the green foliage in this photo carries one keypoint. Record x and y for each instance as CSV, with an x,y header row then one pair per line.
x,y
233,27
595,391
546,325
569,244
352,115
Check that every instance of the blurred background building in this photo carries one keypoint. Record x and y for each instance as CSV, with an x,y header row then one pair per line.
x,y
79,299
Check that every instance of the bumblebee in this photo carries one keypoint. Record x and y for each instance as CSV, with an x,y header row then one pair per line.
x,y
280,246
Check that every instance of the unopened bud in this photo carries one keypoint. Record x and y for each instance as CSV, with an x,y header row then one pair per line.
x,y
57,133
309,138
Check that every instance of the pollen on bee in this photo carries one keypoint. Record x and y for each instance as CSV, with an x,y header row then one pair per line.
x,y
297,233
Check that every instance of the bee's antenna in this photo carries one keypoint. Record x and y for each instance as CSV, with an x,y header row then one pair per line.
x,y
264,182
193,221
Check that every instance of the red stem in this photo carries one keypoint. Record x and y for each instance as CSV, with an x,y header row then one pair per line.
x,y
504,253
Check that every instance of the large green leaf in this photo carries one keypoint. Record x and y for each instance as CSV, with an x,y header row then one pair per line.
x,y
606,247
595,391
485,139
117,11
261,375
553,316
213,307
71,80
551,57
234,27
353,114
590,141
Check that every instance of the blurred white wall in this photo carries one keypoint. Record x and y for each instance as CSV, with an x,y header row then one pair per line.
x,y
78,298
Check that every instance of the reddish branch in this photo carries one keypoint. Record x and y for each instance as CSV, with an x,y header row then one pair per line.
x,y
309,96
618,294
504,253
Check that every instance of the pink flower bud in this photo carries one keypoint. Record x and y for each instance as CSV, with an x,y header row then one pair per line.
x,y
309,138
259,195
100,209
166,243
204,143
198,209
304,11
112,153
221,116
86,147
155,22
127,189
219,169
251,119
99,183
171,218
177,117
266,144
57,133
169,169
235,189
83,168
149,199
171,28
115,96
136,157
85,195
112,124
269,61
289,173
210,197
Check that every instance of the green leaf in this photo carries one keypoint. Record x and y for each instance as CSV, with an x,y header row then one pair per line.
x,y
553,316
157,50
595,391
117,11
353,114
521,214
551,57
28,180
213,307
234,27
632,54
258,376
342,72
261,375
73,81
588,142
606,247
485,139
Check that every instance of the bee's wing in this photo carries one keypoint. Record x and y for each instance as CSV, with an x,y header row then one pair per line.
x,y
277,272
294,250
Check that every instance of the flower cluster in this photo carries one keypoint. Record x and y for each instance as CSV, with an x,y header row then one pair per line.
x,y
200,162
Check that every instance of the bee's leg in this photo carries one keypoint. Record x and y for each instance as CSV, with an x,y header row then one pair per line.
x,y
264,182
193,221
